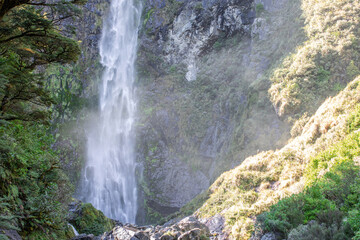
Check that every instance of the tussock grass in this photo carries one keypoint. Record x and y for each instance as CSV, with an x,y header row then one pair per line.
x,y
324,63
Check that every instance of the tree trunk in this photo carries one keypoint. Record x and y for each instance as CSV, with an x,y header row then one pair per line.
x,y
7,5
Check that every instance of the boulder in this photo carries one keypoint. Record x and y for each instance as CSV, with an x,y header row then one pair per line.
x,y
84,237
194,234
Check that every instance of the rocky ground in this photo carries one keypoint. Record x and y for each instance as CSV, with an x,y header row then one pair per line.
x,y
188,228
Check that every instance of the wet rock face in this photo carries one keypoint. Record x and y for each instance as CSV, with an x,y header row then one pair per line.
x,y
195,27
178,33
196,102
203,92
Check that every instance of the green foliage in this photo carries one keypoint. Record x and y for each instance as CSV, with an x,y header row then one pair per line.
x,y
323,77
340,157
29,38
353,122
333,191
31,182
65,89
148,15
33,187
316,231
92,221
354,220
259,8
6,218
318,202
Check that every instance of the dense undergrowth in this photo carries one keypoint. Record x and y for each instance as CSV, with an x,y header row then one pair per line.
x,y
32,185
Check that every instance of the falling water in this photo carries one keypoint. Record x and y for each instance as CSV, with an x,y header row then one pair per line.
x,y
109,175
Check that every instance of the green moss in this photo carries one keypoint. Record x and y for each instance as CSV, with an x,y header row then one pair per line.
x,y
148,15
194,204
153,216
92,221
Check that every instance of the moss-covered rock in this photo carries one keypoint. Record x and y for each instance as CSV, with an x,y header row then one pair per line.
x,y
87,219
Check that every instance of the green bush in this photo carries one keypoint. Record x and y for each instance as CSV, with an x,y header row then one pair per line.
x,y
298,209
284,216
340,157
315,231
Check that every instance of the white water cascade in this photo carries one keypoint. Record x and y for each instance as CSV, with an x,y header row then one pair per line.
x,y
108,180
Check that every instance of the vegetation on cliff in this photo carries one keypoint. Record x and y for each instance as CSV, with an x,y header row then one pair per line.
x,y
328,177
34,190
323,64
320,163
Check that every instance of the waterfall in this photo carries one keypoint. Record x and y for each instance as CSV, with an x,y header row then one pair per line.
x,y
74,230
109,181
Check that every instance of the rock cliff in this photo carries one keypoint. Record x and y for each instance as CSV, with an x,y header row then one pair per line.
x,y
202,87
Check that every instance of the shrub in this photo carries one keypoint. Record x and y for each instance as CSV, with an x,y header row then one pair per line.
x,y
259,8
353,122
315,231
284,216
